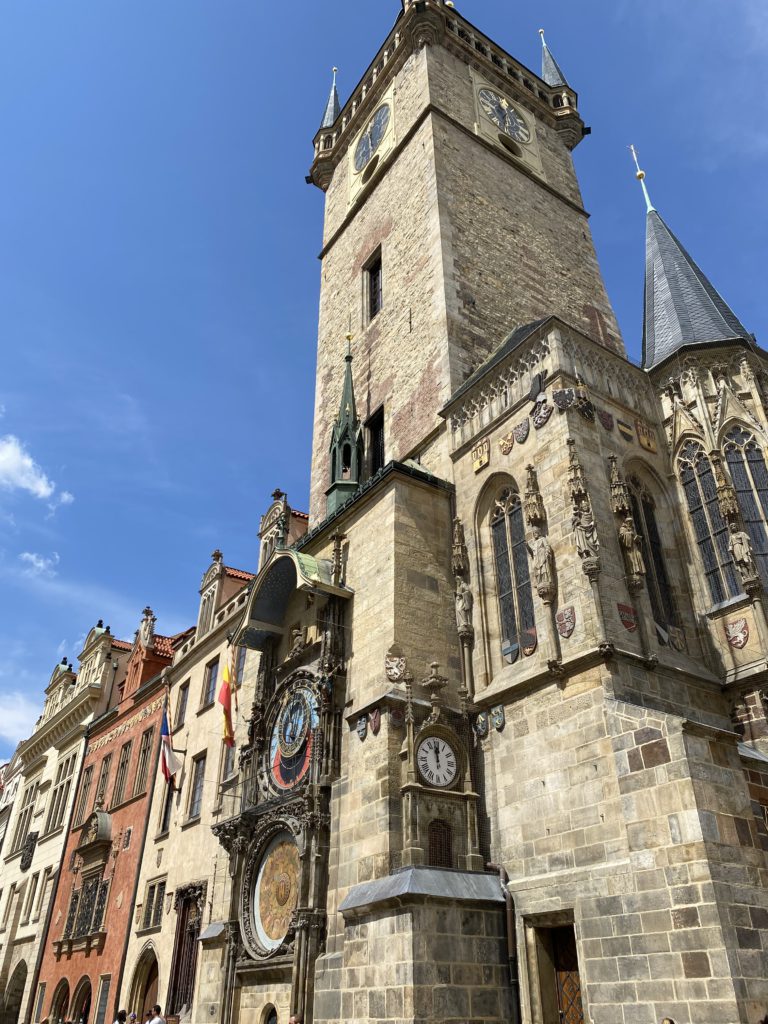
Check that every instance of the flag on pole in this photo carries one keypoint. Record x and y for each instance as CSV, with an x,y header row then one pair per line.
x,y
228,686
169,762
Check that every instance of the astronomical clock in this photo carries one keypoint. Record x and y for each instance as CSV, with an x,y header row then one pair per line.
x,y
505,121
278,843
374,142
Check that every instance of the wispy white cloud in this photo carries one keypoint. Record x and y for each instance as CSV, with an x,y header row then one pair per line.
x,y
38,565
19,716
20,472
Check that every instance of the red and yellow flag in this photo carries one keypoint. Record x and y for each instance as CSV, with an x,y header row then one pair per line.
x,y
227,689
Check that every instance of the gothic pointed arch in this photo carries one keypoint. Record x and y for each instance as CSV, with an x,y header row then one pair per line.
x,y
650,507
709,527
144,984
505,579
80,1009
60,1002
10,1006
744,451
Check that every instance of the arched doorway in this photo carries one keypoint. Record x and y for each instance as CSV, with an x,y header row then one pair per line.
x,y
144,987
60,1003
80,1010
14,993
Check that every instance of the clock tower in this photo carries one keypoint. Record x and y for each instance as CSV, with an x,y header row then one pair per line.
x,y
452,216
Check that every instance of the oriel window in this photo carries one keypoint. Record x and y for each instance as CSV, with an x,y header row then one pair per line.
x,y
513,581
709,526
746,464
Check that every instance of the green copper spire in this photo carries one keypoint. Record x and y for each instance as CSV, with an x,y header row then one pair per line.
x,y
346,443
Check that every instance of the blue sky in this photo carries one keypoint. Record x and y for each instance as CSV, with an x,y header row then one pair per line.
x,y
158,272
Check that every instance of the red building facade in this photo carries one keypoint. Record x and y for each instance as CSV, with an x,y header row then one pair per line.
x,y
84,949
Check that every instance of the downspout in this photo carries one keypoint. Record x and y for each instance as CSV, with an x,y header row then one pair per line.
x,y
511,929
55,888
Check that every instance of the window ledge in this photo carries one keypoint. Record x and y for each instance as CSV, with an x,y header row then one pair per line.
x,y
50,835
162,835
151,930
190,822
741,600
205,707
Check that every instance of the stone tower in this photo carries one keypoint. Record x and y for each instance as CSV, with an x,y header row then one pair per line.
x,y
507,757
452,215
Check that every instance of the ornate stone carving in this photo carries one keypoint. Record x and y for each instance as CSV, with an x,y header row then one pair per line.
x,y
464,604
434,684
632,545
620,503
28,850
584,530
543,557
534,503
740,547
460,561
576,482
726,495
195,892
395,664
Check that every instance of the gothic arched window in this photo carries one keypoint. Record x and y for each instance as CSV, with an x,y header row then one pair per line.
x,y
746,463
709,526
656,575
513,581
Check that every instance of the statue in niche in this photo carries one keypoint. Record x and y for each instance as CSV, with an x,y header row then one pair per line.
x,y
740,547
632,543
464,603
585,531
543,560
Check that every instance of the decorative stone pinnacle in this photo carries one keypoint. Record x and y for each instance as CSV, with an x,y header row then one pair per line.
x,y
217,556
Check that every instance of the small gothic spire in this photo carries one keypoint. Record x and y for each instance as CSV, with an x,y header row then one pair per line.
x,y
332,107
551,71
641,178
346,442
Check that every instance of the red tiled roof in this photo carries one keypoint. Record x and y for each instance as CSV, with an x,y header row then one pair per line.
x,y
299,515
163,645
238,574
121,645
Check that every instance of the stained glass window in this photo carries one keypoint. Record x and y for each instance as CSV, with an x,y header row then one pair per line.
x,y
709,526
513,581
746,463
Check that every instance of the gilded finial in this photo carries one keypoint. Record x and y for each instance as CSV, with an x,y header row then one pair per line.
x,y
349,336
641,178
335,72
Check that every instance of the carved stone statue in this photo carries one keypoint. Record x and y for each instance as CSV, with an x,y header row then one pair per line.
x,y
631,541
464,604
740,547
543,560
585,531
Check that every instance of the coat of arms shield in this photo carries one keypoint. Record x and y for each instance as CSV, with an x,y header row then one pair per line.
x,y
563,398
521,431
375,720
606,419
481,725
628,617
541,414
498,718
362,727
566,621
737,633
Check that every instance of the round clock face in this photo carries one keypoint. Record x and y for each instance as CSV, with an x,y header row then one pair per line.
x,y
290,748
506,118
371,138
437,761
275,892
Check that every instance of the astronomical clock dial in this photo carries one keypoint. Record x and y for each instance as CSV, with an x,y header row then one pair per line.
x,y
437,761
290,748
506,117
275,891
372,137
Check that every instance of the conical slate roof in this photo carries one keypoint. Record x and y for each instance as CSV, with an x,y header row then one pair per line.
x,y
681,306
551,71
332,107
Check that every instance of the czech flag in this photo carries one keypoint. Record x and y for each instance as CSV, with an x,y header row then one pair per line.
x,y
228,687
169,762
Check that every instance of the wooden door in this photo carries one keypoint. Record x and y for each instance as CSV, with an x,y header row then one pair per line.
x,y
567,978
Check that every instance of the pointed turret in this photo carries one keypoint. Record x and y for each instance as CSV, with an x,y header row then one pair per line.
x,y
332,107
682,307
551,71
346,443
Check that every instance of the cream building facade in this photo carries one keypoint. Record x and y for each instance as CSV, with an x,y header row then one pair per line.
x,y
49,769
508,748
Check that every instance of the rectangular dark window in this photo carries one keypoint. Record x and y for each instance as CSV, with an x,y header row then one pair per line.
x,y
196,789
82,802
227,763
122,774
374,291
101,1008
40,1001
60,794
153,905
240,665
101,789
165,815
209,683
142,768
376,442
25,816
181,705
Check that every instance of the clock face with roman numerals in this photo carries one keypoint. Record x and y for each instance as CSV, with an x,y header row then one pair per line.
x,y
437,761
506,117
